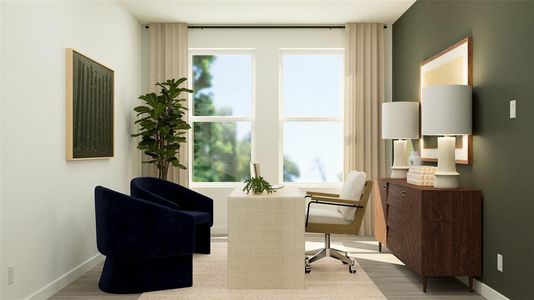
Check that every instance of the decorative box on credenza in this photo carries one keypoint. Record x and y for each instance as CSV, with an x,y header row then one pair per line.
x,y
436,232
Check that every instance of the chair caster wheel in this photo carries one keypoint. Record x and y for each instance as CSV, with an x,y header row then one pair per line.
x,y
307,267
352,268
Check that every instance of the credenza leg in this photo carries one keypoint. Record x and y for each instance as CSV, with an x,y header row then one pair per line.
x,y
379,247
424,283
470,284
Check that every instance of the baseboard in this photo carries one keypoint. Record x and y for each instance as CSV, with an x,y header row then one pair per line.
x,y
219,230
58,284
484,290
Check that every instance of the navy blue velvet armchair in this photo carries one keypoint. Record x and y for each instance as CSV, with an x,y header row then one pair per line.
x,y
148,246
188,202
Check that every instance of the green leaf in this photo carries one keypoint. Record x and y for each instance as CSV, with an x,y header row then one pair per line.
x,y
180,81
142,109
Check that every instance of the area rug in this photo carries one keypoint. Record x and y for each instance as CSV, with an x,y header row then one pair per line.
x,y
329,279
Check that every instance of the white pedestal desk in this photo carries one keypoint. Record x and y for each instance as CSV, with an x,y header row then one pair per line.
x,y
266,239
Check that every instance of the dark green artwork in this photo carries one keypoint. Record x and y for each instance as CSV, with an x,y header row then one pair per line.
x,y
92,108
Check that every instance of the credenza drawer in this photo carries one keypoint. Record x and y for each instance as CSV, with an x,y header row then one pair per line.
x,y
397,195
394,218
383,188
396,243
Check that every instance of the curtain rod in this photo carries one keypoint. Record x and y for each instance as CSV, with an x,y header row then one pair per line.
x,y
266,26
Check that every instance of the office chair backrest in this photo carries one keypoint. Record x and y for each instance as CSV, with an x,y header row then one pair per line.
x,y
352,189
360,212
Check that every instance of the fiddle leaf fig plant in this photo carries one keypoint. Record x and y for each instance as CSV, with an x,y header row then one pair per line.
x,y
162,125
258,185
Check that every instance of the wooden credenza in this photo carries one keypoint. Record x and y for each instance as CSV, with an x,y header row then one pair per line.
x,y
435,232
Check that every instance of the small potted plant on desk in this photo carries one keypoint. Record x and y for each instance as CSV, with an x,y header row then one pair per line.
x,y
258,185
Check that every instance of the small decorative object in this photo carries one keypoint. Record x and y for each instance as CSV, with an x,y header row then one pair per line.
x,y
255,169
421,175
400,121
258,185
163,126
453,65
415,159
90,93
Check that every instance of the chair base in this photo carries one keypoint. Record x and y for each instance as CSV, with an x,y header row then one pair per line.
x,y
132,276
202,239
315,255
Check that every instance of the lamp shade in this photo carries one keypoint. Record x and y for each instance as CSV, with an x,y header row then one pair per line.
x,y
400,120
446,110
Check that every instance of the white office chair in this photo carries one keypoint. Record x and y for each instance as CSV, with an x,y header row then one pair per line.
x,y
346,219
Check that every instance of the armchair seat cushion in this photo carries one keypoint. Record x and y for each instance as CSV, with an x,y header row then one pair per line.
x,y
199,217
326,216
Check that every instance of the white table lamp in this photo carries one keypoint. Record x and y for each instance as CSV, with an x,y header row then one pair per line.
x,y
400,121
446,111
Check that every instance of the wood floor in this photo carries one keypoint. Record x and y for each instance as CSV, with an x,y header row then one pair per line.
x,y
393,279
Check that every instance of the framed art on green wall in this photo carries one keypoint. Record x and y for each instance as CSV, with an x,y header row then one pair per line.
x,y
453,65
90,108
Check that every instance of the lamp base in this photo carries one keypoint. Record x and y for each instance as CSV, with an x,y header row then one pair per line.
x,y
446,180
399,172
446,175
400,159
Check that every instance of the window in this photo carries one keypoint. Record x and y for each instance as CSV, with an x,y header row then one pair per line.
x,y
272,96
221,115
312,116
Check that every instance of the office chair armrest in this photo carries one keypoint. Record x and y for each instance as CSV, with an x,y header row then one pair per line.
x,y
311,194
334,200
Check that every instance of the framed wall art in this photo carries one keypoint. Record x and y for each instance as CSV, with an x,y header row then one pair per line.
x,y
453,65
90,108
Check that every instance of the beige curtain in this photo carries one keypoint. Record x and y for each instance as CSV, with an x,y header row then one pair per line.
x,y
364,94
168,59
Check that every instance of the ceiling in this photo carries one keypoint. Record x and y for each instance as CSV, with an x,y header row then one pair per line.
x,y
271,12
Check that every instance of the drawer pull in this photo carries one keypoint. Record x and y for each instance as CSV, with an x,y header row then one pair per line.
x,y
384,186
403,193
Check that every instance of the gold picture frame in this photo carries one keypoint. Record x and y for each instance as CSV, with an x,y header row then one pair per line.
x,y
90,89
453,65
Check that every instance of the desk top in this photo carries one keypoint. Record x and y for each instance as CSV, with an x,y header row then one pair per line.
x,y
285,192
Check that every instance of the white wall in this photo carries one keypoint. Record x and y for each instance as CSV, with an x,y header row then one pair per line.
x,y
47,207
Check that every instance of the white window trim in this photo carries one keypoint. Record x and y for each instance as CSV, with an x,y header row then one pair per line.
x,y
192,119
305,118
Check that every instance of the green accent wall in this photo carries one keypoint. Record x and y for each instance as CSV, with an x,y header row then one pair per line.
x,y
503,158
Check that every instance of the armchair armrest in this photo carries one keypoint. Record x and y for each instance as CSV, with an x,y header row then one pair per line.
x,y
190,200
166,192
129,227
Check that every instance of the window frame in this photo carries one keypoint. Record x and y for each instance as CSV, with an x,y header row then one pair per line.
x,y
307,118
214,119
